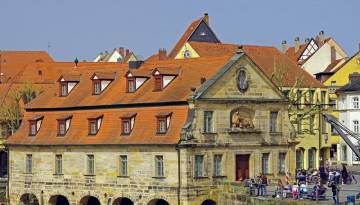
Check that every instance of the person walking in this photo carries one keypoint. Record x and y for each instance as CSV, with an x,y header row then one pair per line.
x,y
335,191
264,183
258,184
344,174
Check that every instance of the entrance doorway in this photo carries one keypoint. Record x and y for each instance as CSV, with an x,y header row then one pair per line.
x,y
242,167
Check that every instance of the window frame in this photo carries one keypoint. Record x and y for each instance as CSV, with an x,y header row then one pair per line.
x,y
282,162
208,125
29,164
32,123
159,122
96,82
58,164
265,169
355,103
199,168
159,166
356,126
123,165
61,122
128,80
273,122
64,84
90,165
218,165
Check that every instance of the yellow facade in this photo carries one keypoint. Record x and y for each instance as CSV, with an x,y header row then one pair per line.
x,y
311,134
337,80
187,52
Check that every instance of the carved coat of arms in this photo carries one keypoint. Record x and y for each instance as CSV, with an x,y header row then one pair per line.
x,y
242,82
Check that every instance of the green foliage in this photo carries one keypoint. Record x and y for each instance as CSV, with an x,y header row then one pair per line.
x,y
10,111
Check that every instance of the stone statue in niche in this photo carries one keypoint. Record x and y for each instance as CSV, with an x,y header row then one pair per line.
x,y
241,120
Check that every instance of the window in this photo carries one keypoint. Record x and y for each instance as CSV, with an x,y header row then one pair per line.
x,y
187,54
162,125
343,153
90,165
273,121
131,85
58,164
299,158
298,99
158,83
323,99
265,163
311,123
311,158
163,122
62,127
199,165
333,130
282,157
217,165
94,124
159,166
333,83
97,87
311,96
126,126
208,121
28,166
355,101
33,129
299,124
333,103
286,93
63,89
34,125
356,126
93,127
123,165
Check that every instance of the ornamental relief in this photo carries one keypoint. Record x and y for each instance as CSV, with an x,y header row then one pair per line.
x,y
242,118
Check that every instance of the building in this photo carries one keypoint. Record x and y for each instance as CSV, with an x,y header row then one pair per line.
x,y
309,97
317,56
338,79
349,115
118,55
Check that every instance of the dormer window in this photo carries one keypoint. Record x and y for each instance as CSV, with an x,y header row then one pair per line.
x,y
135,79
164,76
64,124
94,124
67,83
34,125
163,122
101,81
127,123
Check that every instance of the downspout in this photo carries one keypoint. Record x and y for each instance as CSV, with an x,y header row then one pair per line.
x,y
179,174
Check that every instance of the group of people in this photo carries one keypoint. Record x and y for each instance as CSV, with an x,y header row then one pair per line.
x,y
258,185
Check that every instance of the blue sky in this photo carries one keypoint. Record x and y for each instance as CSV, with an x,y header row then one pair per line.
x,y
83,28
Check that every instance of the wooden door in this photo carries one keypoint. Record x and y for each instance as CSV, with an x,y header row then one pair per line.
x,y
242,167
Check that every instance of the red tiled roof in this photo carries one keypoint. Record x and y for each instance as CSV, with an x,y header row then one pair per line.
x,y
331,66
9,57
144,131
290,52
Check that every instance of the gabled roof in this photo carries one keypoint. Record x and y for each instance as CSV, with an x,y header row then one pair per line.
x,y
187,35
290,52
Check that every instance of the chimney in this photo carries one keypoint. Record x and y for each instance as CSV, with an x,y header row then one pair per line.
x,y
162,54
333,54
122,52
206,18
307,40
297,44
240,49
283,46
321,38
354,77
127,52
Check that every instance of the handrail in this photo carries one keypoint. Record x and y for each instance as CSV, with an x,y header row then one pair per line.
x,y
340,128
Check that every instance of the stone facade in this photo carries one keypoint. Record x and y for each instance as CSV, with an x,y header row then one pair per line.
x,y
238,131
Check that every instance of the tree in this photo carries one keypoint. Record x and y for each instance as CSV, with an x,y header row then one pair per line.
x,y
11,110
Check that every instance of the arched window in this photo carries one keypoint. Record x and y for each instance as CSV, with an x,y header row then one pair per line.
x,y
300,158
312,158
